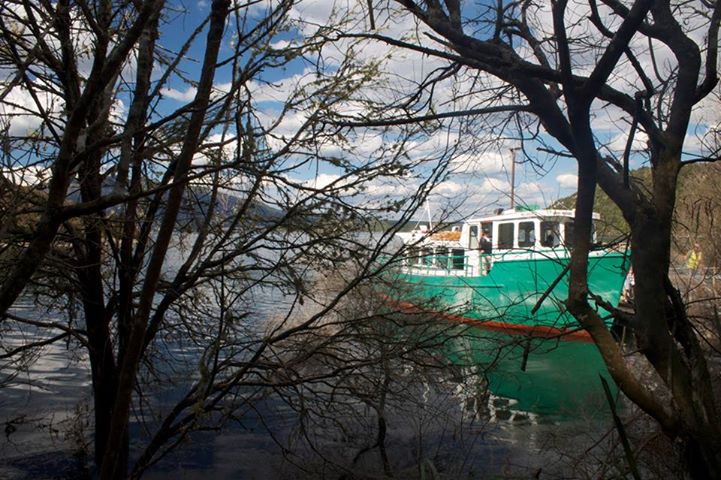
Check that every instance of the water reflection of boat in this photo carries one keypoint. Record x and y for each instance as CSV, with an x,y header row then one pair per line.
x,y
513,380
516,282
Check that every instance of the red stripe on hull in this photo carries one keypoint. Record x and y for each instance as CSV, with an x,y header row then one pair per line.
x,y
538,331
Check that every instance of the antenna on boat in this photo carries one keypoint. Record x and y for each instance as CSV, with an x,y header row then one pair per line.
x,y
513,177
430,220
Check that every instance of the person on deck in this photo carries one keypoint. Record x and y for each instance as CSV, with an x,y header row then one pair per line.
x,y
485,246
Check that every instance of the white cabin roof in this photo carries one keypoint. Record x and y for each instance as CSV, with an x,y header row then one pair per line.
x,y
424,236
516,214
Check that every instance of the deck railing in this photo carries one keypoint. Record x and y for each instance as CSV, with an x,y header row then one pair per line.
x,y
452,265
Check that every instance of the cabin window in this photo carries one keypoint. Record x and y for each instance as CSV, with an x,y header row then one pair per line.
x,y
412,257
569,235
473,238
550,234
506,232
457,258
441,260
526,234
427,254
487,228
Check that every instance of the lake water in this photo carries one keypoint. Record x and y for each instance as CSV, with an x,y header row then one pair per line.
x,y
489,413
529,421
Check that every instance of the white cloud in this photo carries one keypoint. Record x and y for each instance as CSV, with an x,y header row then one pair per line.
x,y
28,176
396,188
450,188
20,110
280,90
323,180
118,111
639,144
532,193
702,141
487,163
567,180
403,68
280,44
184,96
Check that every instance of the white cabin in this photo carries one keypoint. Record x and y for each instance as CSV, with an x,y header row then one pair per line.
x,y
522,229
457,253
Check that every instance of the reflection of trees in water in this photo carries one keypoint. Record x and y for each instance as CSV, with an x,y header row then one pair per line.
x,y
372,402
386,392
368,392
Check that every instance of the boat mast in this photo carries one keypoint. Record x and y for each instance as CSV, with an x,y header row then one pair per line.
x,y
430,220
513,177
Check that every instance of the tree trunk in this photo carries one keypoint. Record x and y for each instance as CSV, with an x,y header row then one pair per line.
x,y
664,333
111,466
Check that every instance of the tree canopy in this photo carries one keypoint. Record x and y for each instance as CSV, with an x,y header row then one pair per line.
x,y
579,80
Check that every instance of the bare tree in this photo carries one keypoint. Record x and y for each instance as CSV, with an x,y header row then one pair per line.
x,y
576,72
149,216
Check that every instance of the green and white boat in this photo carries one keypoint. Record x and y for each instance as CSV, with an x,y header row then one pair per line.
x,y
520,286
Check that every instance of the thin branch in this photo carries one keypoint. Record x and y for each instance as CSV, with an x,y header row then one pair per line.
x,y
78,334
425,118
616,48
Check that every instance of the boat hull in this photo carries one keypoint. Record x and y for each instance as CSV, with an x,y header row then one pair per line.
x,y
520,294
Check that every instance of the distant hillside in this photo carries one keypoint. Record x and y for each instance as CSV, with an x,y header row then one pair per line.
x,y
15,203
197,201
611,227
697,206
612,224
15,199
386,225
697,202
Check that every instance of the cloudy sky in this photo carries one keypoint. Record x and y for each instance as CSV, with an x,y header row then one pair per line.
x,y
482,175
480,170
